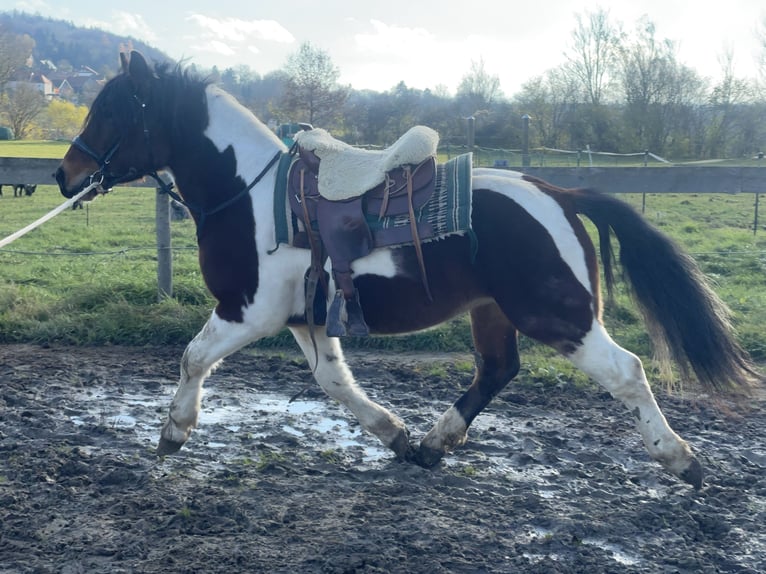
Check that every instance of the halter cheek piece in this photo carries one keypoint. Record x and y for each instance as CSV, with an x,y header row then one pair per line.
x,y
102,160
101,175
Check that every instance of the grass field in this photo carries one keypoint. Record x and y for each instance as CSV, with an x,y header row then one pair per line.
x,y
36,149
88,277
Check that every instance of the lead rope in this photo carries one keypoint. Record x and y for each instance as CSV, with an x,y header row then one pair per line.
x,y
54,212
201,212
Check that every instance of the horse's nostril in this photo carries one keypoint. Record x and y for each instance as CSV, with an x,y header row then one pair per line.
x,y
61,180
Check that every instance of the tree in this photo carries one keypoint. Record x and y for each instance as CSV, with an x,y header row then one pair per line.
x,y
594,54
21,106
65,119
550,100
592,64
14,52
726,100
478,89
313,93
656,88
761,34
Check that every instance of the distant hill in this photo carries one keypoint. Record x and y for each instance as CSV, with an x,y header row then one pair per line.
x,y
60,41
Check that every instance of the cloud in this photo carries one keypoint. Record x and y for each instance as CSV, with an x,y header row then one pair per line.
x,y
232,37
125,24
32,6
238,30
216,47
395,40
430,59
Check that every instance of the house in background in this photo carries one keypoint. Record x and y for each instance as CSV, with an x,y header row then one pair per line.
x,y
37,80
65,91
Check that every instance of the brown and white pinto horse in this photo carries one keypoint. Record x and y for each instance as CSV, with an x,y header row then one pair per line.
x,y
535,271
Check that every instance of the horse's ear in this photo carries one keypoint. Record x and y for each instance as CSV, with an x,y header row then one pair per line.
x,y
124,62
139,73
137,67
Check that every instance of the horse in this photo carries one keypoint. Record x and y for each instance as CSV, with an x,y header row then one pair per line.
x,y
528,266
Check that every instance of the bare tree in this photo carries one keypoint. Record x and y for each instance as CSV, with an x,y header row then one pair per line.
x,y
312,92
14,52
21,106
726,100
593,56
761,34
656,86
478,88
549,100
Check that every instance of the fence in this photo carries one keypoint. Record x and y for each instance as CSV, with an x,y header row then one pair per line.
x,y
40,171
641,180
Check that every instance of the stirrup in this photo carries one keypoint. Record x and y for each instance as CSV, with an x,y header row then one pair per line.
x,y
355,324
345,318
335,326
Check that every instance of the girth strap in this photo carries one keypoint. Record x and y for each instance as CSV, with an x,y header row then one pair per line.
x,y
415,235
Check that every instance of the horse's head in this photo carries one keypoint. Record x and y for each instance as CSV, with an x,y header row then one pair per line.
x,y
121,140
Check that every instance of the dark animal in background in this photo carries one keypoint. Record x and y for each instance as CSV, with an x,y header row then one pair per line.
x,y
20,189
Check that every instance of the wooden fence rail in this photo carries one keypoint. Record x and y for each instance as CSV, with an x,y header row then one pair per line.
x,y
643,180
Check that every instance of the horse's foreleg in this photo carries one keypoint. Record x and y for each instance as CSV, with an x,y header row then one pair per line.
x,y
621,373
216,340
334,376
495,340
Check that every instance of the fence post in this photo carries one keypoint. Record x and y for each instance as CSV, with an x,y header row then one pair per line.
x,y
164,253
526,160
471,136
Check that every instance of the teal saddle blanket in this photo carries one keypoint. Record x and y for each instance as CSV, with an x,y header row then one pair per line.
x,y
446,212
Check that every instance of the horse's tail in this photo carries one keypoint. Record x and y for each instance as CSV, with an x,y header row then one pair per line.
x,y
682,311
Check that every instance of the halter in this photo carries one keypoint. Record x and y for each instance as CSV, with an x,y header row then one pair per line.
x,y
101,174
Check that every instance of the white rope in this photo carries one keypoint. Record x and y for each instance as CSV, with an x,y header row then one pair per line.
x,y
53,213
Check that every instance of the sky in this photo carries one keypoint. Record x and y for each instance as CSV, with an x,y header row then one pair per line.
x,y
424,43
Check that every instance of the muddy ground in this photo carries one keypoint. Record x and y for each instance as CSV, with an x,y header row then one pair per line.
x,y
554,478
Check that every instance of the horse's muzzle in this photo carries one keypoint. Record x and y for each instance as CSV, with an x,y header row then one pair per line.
x,y
61,181
67,192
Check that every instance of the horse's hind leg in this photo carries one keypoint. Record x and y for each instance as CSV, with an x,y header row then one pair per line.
x,y
334,376
621,373
496,343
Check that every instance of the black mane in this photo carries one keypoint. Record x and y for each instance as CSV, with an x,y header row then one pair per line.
x,y
177,94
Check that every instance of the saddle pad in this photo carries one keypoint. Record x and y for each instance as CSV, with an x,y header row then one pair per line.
x,y
448,211
346,171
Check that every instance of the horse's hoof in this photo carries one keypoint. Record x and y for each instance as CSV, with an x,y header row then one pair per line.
x,y
693,474
166,447
402,447
428,457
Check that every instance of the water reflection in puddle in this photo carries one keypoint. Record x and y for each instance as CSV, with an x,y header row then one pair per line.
x,y
256,414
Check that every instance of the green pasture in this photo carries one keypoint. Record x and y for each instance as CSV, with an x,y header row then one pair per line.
x,y
33,148
88,277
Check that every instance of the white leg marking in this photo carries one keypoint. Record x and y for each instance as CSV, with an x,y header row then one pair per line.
x,y
448,433
216,340
621,373
334,376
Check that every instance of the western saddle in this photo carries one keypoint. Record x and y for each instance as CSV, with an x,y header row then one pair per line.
x,y
335,190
